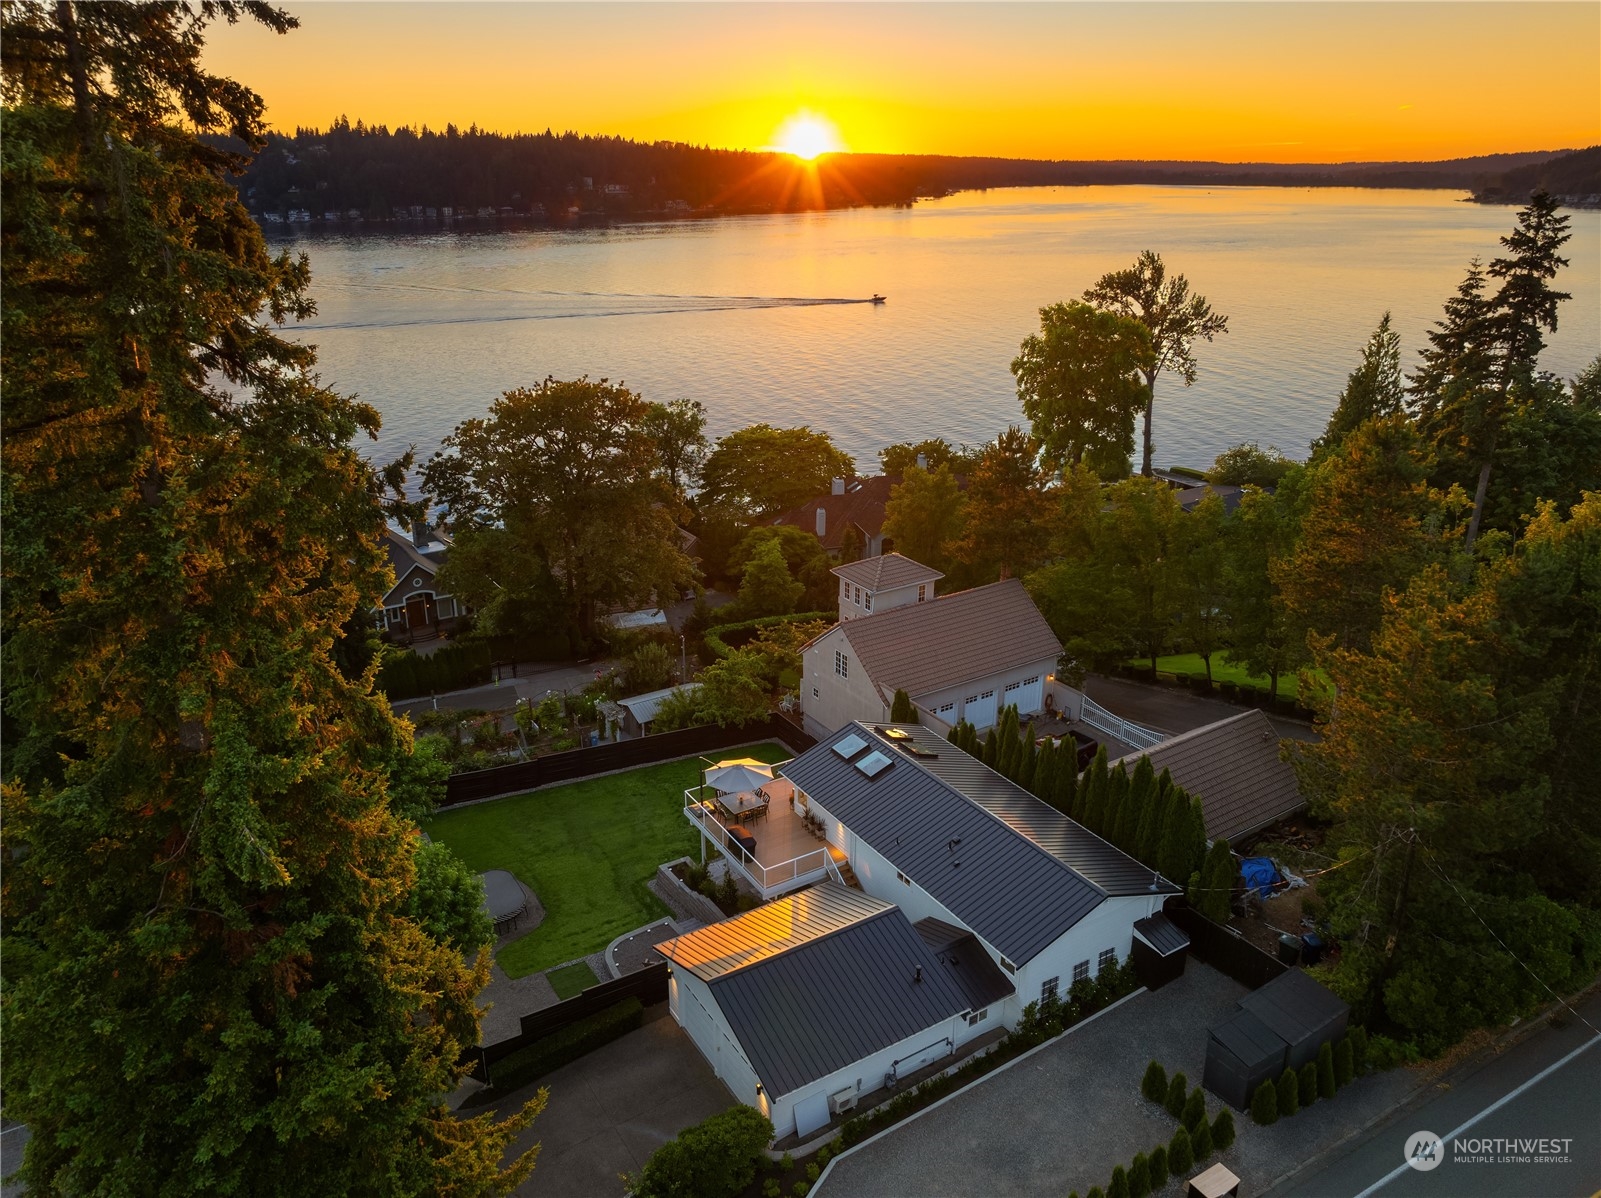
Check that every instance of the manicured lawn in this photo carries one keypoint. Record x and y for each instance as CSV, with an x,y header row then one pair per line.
x,y
572,980
1222,671
587,849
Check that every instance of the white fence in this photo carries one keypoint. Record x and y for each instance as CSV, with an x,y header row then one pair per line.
x,y
1101,720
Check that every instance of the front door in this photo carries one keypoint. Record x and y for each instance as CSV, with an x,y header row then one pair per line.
x,y
416,613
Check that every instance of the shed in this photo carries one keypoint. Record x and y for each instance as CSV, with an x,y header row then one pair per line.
x,y
639,710
1242,1052
1302,1012
1159,951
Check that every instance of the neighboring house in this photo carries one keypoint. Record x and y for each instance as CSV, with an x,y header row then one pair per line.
x,y
975,900
851,503
1189,498
1234,768
634,715
413,609
877,584
961,656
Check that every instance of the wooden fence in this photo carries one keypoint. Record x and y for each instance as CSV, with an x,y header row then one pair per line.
x,y
620,755
1223,950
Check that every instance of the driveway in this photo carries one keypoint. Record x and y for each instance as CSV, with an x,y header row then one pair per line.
x,y
610,1110
1061,1119
1170,710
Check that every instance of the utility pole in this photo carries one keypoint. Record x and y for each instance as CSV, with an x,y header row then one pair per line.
x,y
683,660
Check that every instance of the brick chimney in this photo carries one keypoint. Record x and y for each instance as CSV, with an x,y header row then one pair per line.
x,y
839,486
822,523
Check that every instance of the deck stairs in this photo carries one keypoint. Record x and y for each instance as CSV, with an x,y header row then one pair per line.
x,y
840,867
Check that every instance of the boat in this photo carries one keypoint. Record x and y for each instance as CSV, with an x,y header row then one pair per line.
x,y
877,299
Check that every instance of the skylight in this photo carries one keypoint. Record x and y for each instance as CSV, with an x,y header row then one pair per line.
x,y
874,764
896,733
850,746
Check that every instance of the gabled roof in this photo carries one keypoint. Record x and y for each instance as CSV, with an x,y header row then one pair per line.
x,y
643,707
862,505
1234,768
818,980
1008,890
956,638
1101,862
886,572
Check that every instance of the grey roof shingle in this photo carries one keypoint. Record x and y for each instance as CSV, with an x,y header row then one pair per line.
x,y
1234,768
886,572
956,638
1008,889
845,986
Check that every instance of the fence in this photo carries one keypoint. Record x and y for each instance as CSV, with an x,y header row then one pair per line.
x,y
1223,950
622,755
1101,720
649,985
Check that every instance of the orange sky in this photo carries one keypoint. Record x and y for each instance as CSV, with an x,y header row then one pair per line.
x,y
1286,82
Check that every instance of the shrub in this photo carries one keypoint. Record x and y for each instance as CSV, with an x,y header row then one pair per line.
x,y
1265,1105
1223,1130
813,1171
1158,1167
1358,1036
1096,1192
1343,1071
1289,1093
1325,1071
1180,1156
557,1049
1201,1140
1176,1092
1154,1086
1385,1053
1139,1176
1119,1186
800,1189
1306,1083
771,1188
823,1155
1194,1110
716,1158
786,1162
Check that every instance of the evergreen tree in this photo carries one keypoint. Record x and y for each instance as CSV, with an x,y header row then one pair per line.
x,y
1326,1083
1223,1130
1159,1172
1194,1112
1201,1139
1357,1035
1044,784
1139,1176
1343,1065
1197,834
1119,1186
1177,837
902,710
1154,1084
1265,1105
1289,1092
1180,1153
1143,802
1028,760
1116,805
991,749
1217,881
1306,1086
1177,1094
1067,778
1374,389
213,984
1094,794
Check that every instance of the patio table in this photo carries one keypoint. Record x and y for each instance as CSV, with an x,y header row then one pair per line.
x,y
742,806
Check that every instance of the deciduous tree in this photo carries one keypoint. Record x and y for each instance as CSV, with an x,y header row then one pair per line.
x,y
768,588
926,515
763,471
1008,509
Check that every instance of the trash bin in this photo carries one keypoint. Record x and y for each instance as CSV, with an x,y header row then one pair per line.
x,y
1289,949
1311,948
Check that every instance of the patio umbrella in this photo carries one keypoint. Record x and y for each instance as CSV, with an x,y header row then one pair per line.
x,y
730,777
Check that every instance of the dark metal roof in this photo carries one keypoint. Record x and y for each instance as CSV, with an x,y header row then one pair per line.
x,y
1003,886
1162,934
824,1003
1103,864
1294,1006
771,929
1249,1039
973,969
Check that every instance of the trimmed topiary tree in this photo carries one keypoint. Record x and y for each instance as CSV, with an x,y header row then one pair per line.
x,y
1325,1071
1223,1130
1307,1086
1154,1086
1265,1105
1177,1091
1180,1154
1289,1093
1194,1110
1201,1140
1343,1072
901,710
1158,1167
1096,1192
1119,1186
1139,1176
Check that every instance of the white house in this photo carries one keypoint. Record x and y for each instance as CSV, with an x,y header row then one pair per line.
x,y
975,900
966,655
413,609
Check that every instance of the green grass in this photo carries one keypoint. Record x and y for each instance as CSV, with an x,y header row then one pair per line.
x,y
572,980
1222,671
587,849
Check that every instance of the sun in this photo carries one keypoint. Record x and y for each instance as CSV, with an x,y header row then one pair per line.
x,y
806,135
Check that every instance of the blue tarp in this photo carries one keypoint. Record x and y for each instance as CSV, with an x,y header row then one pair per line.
x,y
1260,875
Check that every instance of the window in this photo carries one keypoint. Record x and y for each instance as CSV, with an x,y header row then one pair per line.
x,y
1012,686
922,592
978,1017
970,699
1050,988
858,596
947,709
1031,681
868,602
987,695
814,692
845,591
842,664
903,877
1081,972
1108,957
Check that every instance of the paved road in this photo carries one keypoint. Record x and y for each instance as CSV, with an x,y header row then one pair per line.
x,y
1548,1086
1166,709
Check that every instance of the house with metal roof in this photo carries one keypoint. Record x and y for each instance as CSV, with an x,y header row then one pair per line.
x,y
966,655
1234,768
808,1002
926,826
414,609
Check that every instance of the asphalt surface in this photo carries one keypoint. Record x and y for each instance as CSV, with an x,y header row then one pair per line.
x,y
1170,710
1544,1087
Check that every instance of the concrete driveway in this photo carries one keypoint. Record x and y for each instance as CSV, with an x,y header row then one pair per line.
x,y
610,1110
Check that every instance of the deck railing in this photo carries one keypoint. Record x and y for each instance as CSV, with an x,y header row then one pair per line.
x,y
770,880
1101,720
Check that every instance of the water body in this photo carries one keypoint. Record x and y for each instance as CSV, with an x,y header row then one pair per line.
x,y
762,319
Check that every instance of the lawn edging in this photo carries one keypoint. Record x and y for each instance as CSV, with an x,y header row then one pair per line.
x,y
978,1081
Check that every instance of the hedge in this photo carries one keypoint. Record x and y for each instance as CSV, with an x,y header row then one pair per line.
x,y
406,675
716,638
559,1048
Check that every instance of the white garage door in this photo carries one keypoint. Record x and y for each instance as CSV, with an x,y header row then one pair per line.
x,y
1029,697
979,710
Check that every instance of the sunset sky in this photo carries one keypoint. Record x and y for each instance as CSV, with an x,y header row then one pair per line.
x,y
1283,82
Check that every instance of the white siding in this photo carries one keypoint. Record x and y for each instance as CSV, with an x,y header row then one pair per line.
x,y
1111,925
692,1005
838,700
998,682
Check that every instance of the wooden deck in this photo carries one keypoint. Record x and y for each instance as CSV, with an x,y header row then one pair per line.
x,y
788,854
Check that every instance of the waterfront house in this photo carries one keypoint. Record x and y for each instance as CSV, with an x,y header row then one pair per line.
x,y
413,609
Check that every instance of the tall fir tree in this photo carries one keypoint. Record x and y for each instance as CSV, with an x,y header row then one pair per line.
x,y
992,747
1028,760
1374,389
1142,809
213,983
1217,881
1096,785
1117,805
1044,783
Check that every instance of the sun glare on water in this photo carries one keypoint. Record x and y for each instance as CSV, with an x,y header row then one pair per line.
x,y
806,135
